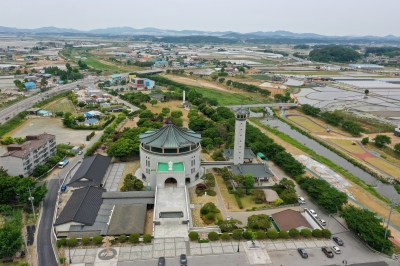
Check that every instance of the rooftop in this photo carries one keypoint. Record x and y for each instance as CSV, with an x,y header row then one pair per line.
x,y
82,207
258,170
289,219
170,136
248,153
127,219
20,150
91,171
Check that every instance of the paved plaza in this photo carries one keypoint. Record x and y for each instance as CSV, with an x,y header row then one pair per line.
x,y
174,247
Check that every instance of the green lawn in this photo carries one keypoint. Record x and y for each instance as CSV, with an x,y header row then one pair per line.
x,y
226,98
261,77
62,105
309,73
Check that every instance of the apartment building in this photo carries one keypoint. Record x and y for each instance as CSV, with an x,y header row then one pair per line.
x,y
21,159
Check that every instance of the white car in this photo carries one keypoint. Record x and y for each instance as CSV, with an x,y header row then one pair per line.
x,y
313,213
301,200
322,222
336,249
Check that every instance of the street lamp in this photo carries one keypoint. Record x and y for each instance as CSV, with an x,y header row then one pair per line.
x,y
239,244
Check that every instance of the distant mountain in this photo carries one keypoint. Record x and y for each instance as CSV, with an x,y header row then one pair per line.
x,y
177,33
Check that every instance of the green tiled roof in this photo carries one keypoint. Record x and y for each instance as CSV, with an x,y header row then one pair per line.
x,y
170,136
176,167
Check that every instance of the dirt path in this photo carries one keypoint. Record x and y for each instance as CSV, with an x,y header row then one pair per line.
x,y
360,194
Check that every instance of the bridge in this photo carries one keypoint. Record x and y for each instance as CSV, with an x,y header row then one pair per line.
x,y
216,164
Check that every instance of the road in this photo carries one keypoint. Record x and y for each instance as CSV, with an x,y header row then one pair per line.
x,y
13,110
45,251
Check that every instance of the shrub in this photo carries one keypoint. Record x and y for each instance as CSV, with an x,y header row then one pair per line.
x,y
237,234
317,233
134,238
239,202
204,241
122,238
294,232
97,239
225,236
240,192
61,242
326,233
261,234
209,207
147,238
283,234
193,236
248,234
213,236
72,242
210,216
85,240
365,140
272,234
211,192
306,232
62,260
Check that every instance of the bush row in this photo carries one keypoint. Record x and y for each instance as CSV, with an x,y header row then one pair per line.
x,y
239,201
97,240
90,136
51,99
260,234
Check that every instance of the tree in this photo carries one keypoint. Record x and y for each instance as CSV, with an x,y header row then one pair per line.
x,y
214,78
165,110
365,140
259,195
382,140
153,102
397,147
176,114
228,225
240,192
68,120
366,92
209,207
40,170
7,140
260,221
248,181
81,118
43,82
228,83
123,147
221,80
352,127
10,240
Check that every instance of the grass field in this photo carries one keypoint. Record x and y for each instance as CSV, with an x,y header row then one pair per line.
x,y
266,61
261,77
226,98
346,144
385,166
62,105
309,73
307,123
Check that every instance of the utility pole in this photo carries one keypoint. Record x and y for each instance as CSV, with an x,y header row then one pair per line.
x,y
31,199
388,220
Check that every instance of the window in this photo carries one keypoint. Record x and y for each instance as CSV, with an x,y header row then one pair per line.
x,y
192,171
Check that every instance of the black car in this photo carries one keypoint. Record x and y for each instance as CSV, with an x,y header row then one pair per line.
x,y
183,260
302,253
327,252
338,240
161,261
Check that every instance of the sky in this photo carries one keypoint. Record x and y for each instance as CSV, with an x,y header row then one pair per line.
x,y
327,17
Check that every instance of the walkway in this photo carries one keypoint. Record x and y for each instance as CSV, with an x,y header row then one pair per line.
x,y
114,176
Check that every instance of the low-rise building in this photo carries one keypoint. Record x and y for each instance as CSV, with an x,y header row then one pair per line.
x,y
21,159
397,131
161,64
142,83
30,85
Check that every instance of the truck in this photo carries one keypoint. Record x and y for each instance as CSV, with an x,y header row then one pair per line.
x,y
63,163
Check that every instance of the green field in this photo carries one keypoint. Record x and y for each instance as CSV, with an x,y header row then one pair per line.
x,y
62,105
308,73
226,98
261,77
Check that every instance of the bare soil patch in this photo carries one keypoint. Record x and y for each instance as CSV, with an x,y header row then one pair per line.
x,y
148,227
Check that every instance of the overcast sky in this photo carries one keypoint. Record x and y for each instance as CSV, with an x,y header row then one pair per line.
x,y
328,17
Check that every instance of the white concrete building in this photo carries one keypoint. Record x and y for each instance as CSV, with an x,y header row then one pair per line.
x,y
169,155
21,159
240,135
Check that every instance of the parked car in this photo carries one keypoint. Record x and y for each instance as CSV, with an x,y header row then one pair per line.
x,y
228,218
322,222
302,253
183,260
161,261
80,152
338,240
313,213
63,187
327,252
336,249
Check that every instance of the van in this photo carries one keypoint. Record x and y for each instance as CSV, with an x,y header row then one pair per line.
x,y
63,163
301,200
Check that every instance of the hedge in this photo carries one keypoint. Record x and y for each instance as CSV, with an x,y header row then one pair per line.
x,y
294,232
239,202
122,238
61,242
283,234
272,234
90,136
97,239
261,234
237,234
72,242
85,240
306,232
134,238
213,236
225,236
147,238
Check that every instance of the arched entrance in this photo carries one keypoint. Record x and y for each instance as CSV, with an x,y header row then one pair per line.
x,y
170,182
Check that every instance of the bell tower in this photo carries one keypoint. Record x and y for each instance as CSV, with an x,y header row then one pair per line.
x,y
240,135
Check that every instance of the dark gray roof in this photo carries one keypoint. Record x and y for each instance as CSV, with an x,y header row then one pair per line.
x,y
242,111
91,171
127,219
248,153
260,170
132,197
82,207
170,136
158,96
